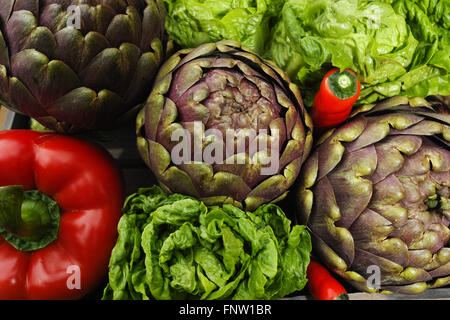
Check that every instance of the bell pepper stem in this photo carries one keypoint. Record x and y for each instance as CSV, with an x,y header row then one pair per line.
x,y
29,220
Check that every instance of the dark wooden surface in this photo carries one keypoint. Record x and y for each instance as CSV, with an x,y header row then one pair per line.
x,y
122,145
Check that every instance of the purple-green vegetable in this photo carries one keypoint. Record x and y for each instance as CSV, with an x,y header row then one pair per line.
x,y
78,65
207,93
375,196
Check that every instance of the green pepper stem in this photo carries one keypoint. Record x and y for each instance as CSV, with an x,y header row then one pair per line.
x,y
343,85
29,220
344,81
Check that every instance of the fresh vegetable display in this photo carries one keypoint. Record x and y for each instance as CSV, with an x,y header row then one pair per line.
x,y
396,47
224,150
334,101
375,196
60,202
240,122
322,285
176,247
79,65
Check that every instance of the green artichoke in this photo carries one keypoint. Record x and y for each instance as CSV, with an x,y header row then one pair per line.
x,y
375,196
78,65
226,99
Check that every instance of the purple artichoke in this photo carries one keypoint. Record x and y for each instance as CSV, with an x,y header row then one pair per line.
x,y
375,195
79,64
225,100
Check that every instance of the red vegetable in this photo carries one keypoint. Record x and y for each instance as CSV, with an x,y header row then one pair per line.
x,y
334,101
60,202
322,285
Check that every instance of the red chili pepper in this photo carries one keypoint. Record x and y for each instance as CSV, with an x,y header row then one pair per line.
x,y
334,101
60,202
322,285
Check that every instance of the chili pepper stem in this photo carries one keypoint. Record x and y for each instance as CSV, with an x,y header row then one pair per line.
x,y
29,220
344,81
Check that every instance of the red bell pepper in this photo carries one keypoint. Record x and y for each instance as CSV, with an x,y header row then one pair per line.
x,y
60,203
334,101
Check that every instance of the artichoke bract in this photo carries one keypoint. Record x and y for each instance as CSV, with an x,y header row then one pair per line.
x,y
78,65
224,126
375,196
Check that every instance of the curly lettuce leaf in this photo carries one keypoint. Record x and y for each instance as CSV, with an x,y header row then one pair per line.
x,y
397,47
175,247
126,268
194,22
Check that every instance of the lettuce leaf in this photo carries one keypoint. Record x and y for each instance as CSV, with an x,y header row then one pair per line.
x,y
193,22
175,247
397,47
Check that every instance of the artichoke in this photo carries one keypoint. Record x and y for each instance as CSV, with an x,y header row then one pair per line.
x,y
375,196
77,65
227,99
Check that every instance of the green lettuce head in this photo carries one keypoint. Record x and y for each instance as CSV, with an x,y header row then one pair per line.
x,y
175,247
396,47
